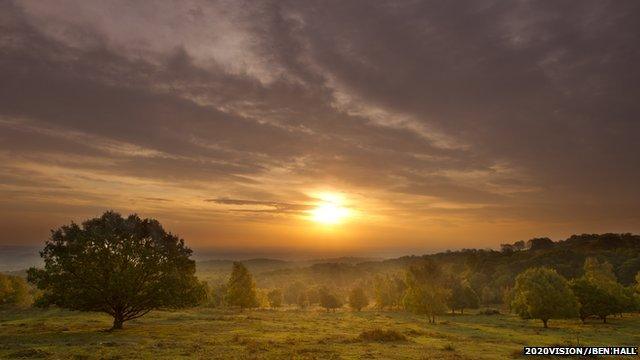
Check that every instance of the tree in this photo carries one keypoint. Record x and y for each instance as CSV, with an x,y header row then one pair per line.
x,y
540,243
462,297
293,291
14,292
506,248
303,300
275,298
358,299
519,245
389,291
541,293
593,299
599,272
216,295
425,293
329,300
383,294
123,267
638,282
599,291
241,289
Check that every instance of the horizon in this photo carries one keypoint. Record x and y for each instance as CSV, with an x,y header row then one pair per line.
x,y
321,128
27,255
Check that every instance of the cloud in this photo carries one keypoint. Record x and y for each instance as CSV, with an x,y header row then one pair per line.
x,y
258,206
500,110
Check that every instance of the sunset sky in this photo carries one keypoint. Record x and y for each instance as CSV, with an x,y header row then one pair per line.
x,y
328,127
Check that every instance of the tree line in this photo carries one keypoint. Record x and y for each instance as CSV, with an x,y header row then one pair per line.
x,y
127,267
538,293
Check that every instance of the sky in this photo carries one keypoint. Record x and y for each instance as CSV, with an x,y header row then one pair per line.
x,y
415,126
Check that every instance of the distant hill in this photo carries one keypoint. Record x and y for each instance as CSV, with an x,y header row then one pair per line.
x,y
14,258
261,265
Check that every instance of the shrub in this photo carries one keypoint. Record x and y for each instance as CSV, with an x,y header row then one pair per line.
x,y
380,335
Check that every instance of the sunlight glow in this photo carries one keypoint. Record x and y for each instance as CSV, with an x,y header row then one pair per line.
x,y
329,210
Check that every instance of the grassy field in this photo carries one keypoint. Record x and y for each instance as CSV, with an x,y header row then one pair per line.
x,y
291,334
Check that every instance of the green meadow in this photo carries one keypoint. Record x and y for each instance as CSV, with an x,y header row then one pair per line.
x,y
203,333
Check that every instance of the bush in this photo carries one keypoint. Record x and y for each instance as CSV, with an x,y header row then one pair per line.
x,y
381,335
490,312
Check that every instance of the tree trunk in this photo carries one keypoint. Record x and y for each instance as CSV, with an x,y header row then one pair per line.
x,y
462,311
544,321
604,319
118,319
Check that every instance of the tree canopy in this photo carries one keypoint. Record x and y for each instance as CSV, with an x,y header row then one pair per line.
x,y
425,293
328,299
462,297
124,267
275,298
541,293
241,288
599,292
358,299
14,292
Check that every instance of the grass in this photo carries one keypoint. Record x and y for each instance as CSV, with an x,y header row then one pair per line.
x,y
293,334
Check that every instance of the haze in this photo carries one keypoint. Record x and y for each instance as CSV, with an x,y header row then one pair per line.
x,y
237,124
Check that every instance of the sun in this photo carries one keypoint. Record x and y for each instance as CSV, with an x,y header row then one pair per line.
x,y
330,210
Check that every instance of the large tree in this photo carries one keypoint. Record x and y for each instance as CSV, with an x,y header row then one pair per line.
x,y
425,293
542,293
594,301
124,267
599,291
241,288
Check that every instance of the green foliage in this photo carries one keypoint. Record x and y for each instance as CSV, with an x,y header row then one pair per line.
x,y
540,243
124,267
389,291
292,292
328,299
241,289
14,292
599,272
215,295
275,298
593,299
303,300
599,292
358,299
541,293
462,297
425,293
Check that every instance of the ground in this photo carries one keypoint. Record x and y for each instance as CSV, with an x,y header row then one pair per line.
x,y
291,334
